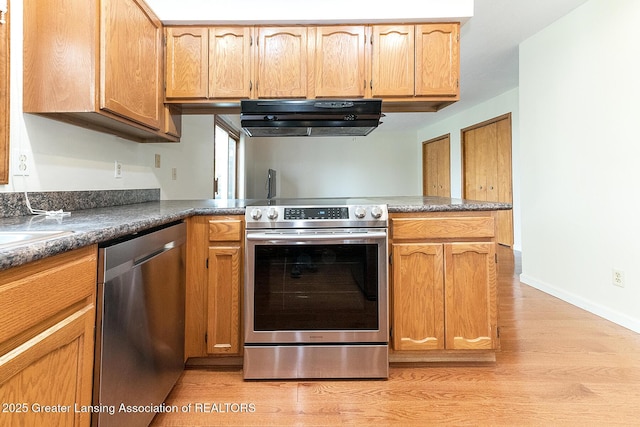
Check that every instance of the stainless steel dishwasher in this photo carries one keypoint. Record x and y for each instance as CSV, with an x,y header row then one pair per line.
x,y
140,325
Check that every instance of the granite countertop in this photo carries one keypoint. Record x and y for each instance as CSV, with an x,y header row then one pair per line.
x,y
98,225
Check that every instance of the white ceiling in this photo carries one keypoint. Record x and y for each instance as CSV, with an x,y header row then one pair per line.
x,y
488,46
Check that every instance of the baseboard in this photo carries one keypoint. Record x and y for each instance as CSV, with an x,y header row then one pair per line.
x,y
597,309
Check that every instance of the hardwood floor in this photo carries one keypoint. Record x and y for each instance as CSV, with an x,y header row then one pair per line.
x,y
558,366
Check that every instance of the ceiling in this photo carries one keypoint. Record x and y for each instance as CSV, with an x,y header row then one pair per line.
x,y
488,48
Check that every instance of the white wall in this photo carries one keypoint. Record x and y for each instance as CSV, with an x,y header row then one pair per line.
x,y
502,104
64,157
380,164
579,92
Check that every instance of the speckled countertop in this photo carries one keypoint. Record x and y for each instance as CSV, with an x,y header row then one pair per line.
x,y
97,225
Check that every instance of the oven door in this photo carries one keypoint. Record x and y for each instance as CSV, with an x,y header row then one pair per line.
x,y
316,286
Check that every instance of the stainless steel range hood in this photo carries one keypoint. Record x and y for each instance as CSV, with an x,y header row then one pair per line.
x,y
314,117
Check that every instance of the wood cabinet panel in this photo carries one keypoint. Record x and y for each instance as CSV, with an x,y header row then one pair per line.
x,y
130,69
282,62
470,296
437,60
96,64
187,62
53,369
47,337
443,286
57,282
393,60
214,286
418,296
223,317
340,67
443,228
230,62
225,230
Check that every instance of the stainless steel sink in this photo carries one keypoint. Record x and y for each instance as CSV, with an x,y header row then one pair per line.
x,y
16,238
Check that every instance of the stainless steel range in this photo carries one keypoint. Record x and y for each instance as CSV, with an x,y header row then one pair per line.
x,y
316,290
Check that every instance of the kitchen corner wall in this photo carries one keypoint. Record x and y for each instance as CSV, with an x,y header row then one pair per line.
x,y
579,92
61,157
384,163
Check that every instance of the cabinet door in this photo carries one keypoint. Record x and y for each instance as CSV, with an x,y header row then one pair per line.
x,y
470,296
393,61
230,62
340,61
418,296
186,69
437,59
282,62
130,80
223,300
54,368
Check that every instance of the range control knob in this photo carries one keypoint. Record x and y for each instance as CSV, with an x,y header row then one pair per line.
x,y
360,212
376,212
273,213
256,213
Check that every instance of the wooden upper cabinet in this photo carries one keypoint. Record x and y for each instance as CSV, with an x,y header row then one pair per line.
x,y
416,61
393,60
412,67
230,62
97,64
130,67
340,61
437,59
187,62
282,62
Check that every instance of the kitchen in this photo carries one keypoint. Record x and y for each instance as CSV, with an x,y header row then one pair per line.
x,y
558,214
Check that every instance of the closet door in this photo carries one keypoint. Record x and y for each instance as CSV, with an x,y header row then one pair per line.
x,y
486,161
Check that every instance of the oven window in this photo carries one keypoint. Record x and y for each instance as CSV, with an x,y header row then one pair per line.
x,y
316,287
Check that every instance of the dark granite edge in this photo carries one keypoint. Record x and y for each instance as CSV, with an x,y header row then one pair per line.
x,y
395,208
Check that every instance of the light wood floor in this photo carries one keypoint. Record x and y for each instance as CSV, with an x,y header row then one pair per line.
x,y
558,366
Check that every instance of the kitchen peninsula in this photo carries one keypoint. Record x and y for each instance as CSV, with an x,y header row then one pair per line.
x,y
442,297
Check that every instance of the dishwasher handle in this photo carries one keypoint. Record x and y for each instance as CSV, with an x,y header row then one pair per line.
x,y
115,259
146,258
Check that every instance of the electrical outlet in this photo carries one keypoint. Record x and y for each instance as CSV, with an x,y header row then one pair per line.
x,y
174,173
157,161
21,165
117,173
617,278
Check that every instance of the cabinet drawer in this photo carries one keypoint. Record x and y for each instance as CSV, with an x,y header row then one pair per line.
x,y
225,230
39,290
443,228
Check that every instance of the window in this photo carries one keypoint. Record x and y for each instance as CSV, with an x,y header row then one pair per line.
x,y
225,160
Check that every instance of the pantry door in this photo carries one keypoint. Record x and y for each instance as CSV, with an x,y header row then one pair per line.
x,y
486,169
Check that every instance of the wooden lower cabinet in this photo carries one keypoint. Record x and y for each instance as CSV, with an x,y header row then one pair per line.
x,y
47,326
443,291
223,300
214,286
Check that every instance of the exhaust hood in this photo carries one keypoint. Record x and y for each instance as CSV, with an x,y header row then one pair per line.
x,y
309,117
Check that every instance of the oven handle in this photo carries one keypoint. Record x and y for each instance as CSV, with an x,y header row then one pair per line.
x,y
314,235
